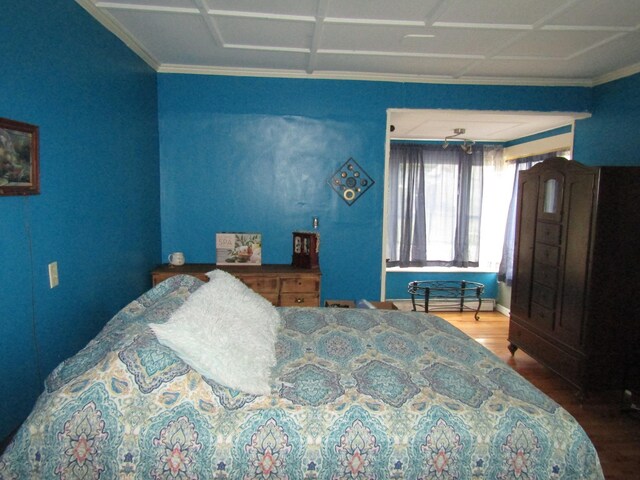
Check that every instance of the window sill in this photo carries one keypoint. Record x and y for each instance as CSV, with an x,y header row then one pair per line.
x,y
441,270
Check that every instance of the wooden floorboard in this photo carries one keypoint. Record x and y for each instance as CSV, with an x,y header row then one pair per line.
x,y
614,431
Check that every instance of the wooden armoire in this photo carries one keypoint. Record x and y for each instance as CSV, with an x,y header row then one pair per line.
x,y
576,286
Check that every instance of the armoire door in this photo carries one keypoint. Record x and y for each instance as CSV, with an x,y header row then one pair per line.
x,y
578,209
524,248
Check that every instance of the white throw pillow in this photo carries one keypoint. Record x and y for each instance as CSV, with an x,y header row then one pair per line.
x,y
226,332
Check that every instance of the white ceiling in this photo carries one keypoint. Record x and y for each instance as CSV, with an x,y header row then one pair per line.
x,y
480,126
541,42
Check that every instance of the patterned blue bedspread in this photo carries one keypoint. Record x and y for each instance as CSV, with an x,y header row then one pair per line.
x,y
357,394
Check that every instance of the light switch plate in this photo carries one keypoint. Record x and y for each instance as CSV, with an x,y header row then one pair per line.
x,y
53,275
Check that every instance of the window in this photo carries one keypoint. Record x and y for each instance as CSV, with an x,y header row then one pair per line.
x,y
435,206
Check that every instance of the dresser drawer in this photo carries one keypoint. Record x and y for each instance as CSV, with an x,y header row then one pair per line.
x,y
547,254
282,285
272,297
542,317
543,296
260,284
299,284
545,274
548,233
300,299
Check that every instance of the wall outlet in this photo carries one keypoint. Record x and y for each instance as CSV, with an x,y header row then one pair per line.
x,y
53,275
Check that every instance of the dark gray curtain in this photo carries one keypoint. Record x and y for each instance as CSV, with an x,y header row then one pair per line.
x,y
434,206
505,272
407,218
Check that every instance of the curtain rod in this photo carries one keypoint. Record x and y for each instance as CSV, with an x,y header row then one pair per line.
x,y
561,149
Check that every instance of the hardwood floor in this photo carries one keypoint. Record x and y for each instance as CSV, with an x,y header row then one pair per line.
x,y
614,432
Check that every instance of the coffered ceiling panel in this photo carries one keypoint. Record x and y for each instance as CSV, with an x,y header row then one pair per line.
x,y
618,15
530,67
553,44
377,66
185,35
412,11
498,13
448,42
257,32
270,7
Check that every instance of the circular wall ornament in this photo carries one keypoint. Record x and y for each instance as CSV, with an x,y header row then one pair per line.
x,y
346,179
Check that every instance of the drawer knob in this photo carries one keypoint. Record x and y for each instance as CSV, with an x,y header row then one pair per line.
x,y
299,300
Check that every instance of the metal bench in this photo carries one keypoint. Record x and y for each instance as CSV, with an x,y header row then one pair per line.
x,y
433,295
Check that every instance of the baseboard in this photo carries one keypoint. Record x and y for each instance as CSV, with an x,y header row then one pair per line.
x,y
503,310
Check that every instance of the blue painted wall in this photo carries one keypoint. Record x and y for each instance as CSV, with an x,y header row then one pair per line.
x,y
397,282
254,154
610,136
98,214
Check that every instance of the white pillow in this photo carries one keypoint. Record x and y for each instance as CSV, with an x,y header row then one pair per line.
x,y
226,332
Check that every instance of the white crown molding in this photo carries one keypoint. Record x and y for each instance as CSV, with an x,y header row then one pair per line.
x,y
129,40
617,75
373,77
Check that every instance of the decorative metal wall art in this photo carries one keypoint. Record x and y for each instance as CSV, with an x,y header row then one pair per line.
x,y
350,181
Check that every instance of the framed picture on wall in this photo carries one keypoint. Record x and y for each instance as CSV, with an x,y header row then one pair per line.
x,y
19,160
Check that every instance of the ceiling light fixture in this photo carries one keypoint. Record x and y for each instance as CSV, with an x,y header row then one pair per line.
x,y
419,35
467,145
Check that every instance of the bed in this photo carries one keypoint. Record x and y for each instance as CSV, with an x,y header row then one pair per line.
x,y
355,394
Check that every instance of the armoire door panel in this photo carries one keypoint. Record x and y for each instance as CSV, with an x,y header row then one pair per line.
x,y
578,208
525,234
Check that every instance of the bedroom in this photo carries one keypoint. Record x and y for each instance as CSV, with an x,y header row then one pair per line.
x,y
136,164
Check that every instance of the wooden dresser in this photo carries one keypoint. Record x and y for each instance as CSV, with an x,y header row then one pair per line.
x,y
574,301
282,285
